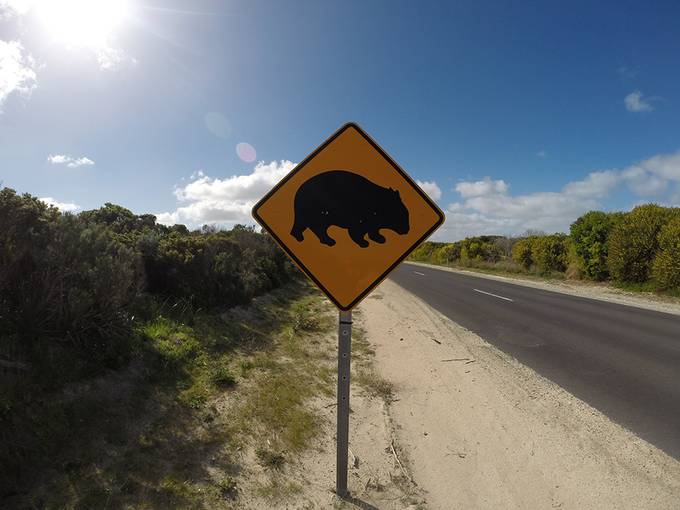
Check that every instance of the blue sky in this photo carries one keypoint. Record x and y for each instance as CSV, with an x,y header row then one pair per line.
x,y
513,116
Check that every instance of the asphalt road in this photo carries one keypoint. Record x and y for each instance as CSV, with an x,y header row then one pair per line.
x,y
622,360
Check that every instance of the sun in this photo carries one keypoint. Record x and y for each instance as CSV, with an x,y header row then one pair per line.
x,y
89,23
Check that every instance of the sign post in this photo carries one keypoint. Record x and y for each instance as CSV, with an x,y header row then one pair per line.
x,y
347,215
344,358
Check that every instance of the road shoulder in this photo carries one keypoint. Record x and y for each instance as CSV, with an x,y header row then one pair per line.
x,y
481,430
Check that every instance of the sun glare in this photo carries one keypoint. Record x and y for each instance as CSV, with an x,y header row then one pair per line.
x,y
88,23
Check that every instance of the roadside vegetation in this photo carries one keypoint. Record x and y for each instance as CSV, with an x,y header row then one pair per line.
x,y
637,250
145,366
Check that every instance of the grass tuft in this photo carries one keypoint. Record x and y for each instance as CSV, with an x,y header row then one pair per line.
x,y
375,385
221,377
270,459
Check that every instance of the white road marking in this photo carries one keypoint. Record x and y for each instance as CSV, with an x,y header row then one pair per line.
x,y
494,295
421,274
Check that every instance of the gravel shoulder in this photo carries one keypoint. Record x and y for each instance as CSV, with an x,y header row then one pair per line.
x,y
479,430
584,289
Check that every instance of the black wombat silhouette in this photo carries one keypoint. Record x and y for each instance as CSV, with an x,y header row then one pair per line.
x,y
348,201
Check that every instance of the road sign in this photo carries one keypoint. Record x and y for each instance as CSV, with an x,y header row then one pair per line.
x,y
348,215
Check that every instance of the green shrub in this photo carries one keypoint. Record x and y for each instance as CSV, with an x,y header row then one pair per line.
x,y
64,283
549,253
70,284
633,242
26,231
424,252
118,219
466,252
93,279
479,249
214,269
666,267
590,235
521,253
447,254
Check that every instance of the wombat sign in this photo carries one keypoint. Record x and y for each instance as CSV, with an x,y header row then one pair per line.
x,y
349,201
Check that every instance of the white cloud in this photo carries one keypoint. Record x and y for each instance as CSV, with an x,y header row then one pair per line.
x,y
643,183
488,208
58,159
83,161
110,58
666,166
595,185
62,206
653,176
485,206
9,8
61,159
635,102
17,70
431,188
501,213
224,201
480,188
541,154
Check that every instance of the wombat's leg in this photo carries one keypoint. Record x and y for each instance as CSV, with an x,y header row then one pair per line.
x,y
377,237
297,230
322,234
358,237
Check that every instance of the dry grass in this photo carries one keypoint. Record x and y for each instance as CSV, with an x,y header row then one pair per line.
x,y
364,373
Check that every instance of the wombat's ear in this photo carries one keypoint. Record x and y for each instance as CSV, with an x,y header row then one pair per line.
x,y
395,191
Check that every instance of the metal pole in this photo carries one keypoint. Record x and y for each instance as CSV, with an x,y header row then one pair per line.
x,y
344,355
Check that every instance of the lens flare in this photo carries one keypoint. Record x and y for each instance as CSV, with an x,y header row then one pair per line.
x,y
246,152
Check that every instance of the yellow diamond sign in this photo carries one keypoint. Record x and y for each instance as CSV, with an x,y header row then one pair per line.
x,y
348,215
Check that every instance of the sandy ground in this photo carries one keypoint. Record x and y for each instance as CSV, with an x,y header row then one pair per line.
x,y
378,477
374,477
476,429
591,290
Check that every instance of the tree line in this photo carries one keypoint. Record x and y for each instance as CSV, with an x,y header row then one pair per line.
x,y
73,286
641,246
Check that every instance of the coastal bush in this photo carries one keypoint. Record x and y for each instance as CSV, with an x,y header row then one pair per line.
x,y
521,253
666,266
549,253
633,242
590,236
71,285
